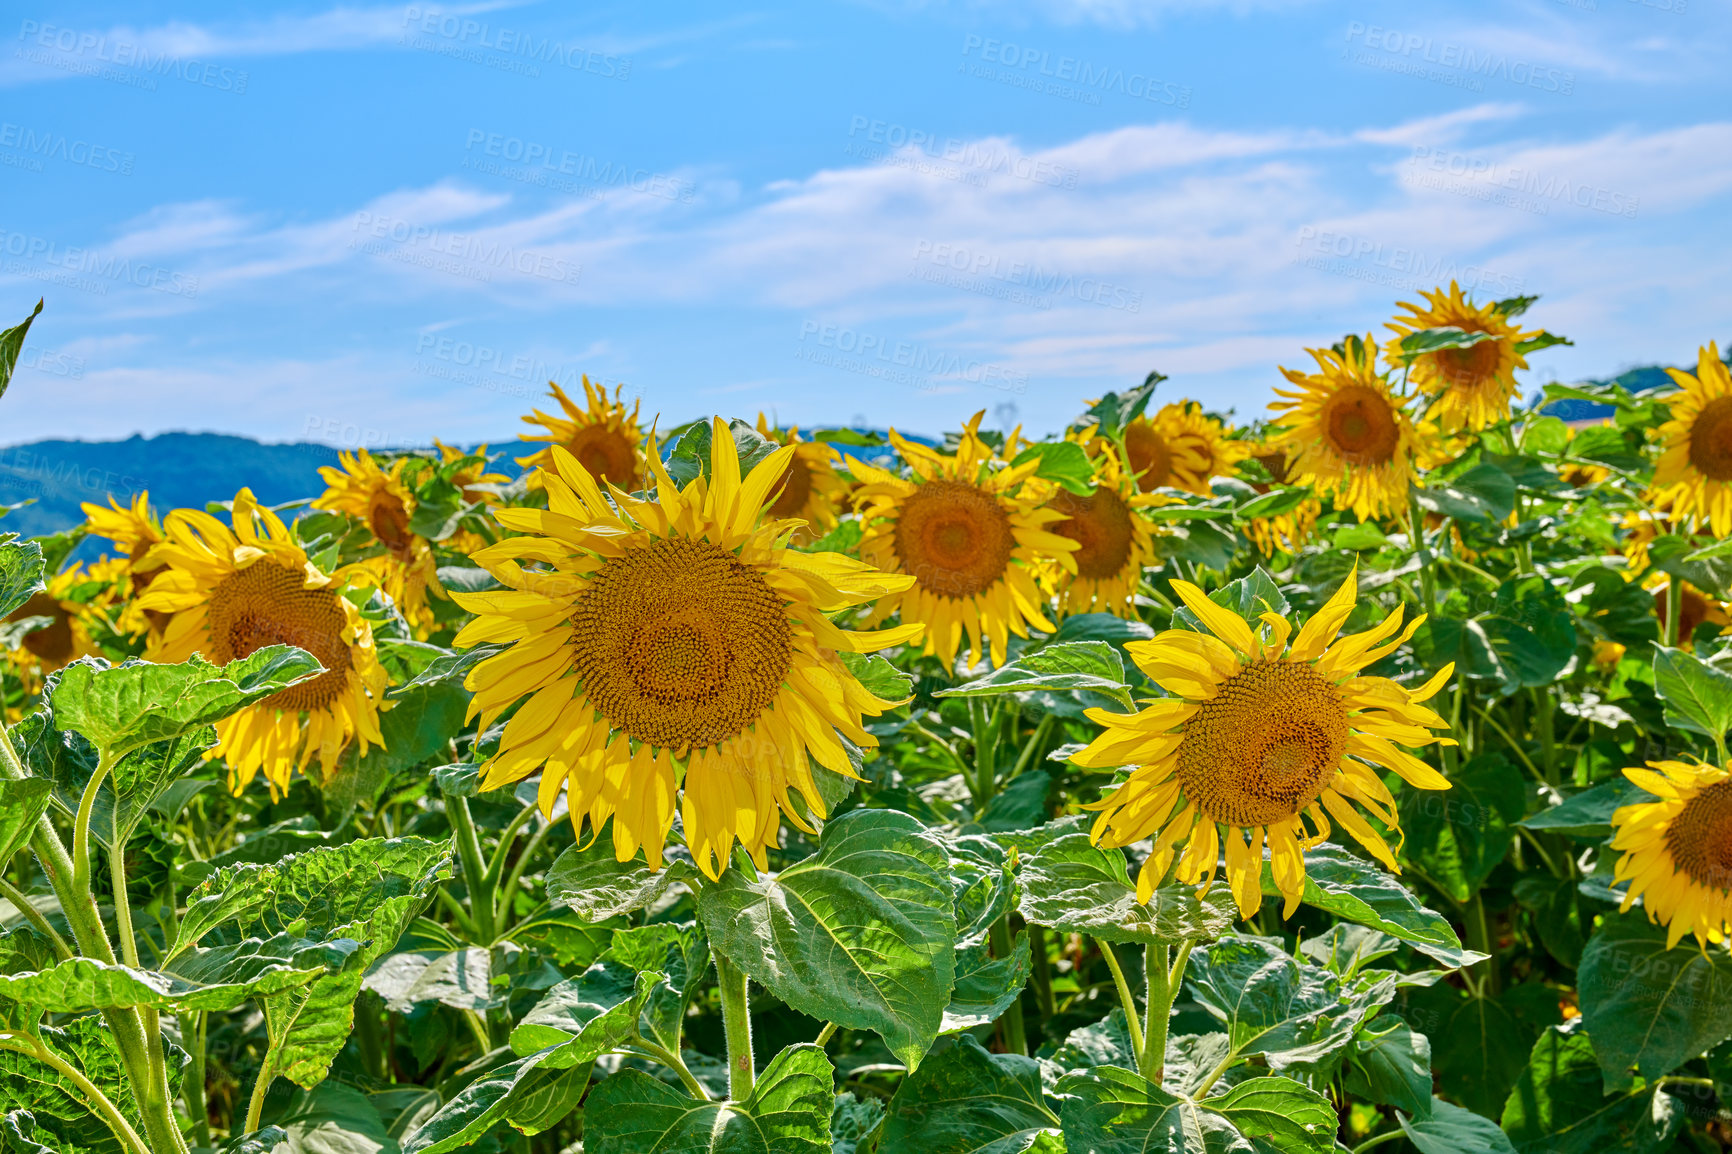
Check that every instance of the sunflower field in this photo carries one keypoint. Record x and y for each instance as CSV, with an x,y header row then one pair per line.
x,y
1350,778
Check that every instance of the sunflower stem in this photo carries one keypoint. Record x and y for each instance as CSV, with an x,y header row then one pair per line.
x,y
1479,938
1010,1022
1416,537
192,1085
1042,971
1133,1020
95,1099
1165,983
985,751
734,987
1674,610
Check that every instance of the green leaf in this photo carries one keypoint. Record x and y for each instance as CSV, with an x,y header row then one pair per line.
x,y
861,933
1648,1006
1458,836
1483,493
1065,463
1589,813
417,729
1249,597
986,986
1514,306
1092,665
680,952
1698,696
1347,948
263,1141
1391,1064
450,667
460,979
58,1106
1708,569
1362,537
1532,631
11,344
982,882
1558,1105
235,974
881,679
21,803
968,1101
124,707
1278,1115
1545,435
586,1016
1541,340
20,573
854,1123
1116,410
1350,887
691,454
1557,915
334,1118
1075,887
787,1112
1114,1111
478,1108
1478,1047
1417,344
588,881
1449,1129
1279,500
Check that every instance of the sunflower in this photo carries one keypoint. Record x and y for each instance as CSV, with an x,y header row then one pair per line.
x,y
604,438
136,531
1677,850
813,492
1180,447
1694,608
68,599
1347,434
1694,472
1280,532
970,537
1113,540
1257,737
1607,654
382,501
234,592
1471,387
470,477
669,643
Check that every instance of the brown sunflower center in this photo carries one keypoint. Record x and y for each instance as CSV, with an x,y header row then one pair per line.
x,y
1693,610
1276,463
1151,459
1360,425
1711,440
1101,526
1265,745
1470,367
265,604
606,453
796,487
388,517
954,538
1700,837
680,643
51,644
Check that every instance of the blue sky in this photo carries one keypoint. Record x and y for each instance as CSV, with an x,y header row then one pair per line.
x,y
377,225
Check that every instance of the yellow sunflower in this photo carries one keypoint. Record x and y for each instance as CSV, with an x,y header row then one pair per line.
x,y
471,476
135,531
233,592
1280,532
1257,737
604,438
1694,608
1472,387
1347,434
813,492
1694,472
1113,540
1180,447
380,499
672,645
972,540
1677,850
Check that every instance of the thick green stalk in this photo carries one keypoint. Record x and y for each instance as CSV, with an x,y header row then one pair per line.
x,y
1479,938
1015,1033
474,873
192,1086
985,751
256,1104
736,1027
1164,985
1416,537
34,916
1674,610
1133,1020
1042,971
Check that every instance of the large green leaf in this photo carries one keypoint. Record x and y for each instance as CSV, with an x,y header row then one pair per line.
x,y
123,707
1071,885
986,986
21,803
983,883
1092,665
59,1106
20,573
1449,1129
787,1112
219,979
478,1107
11,344
461,979
1456,837
1558,1105
1647,1006
1478,1046
1391,1064
588,881
585,1016
861,933
1532,630
1698,696
1112,1111
1350,887
417,728
1589,813
967,1101
1065,463
680,952
1116,410
334,1118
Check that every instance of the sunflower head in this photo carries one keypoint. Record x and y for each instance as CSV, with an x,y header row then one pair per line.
x,y
1677,849
1346,432
470,476
1180,447
133,528
68,600
1261,742
1114,540
1695,608
1470,387
602,436
381,499
812,491
672,650
1694,472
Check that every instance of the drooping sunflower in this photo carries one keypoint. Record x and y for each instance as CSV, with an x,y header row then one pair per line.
x,y
813,492
670,650
135,531
235,591
1677,850
1114,540
1258,737
1694,608
1180,447
1280,532
1348,435
380,499
1694,472
68,599
604,438
972,540
1471,387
